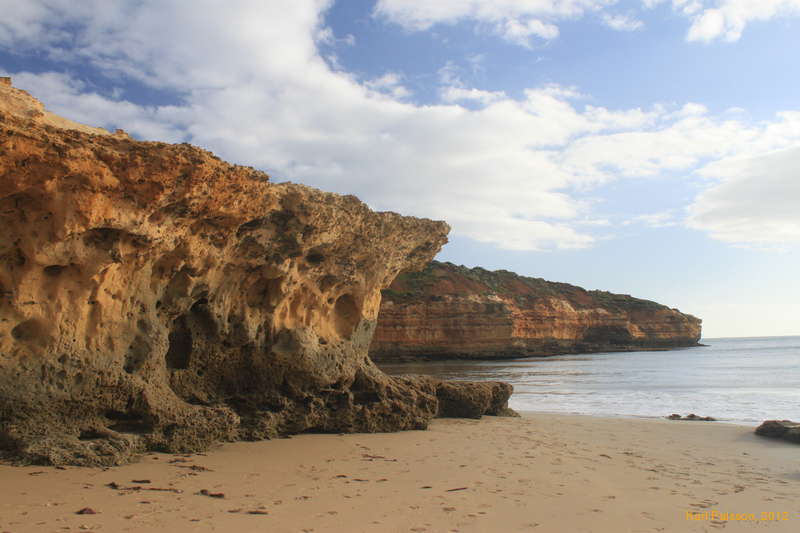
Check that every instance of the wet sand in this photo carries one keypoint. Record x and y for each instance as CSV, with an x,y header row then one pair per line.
x,y
542,472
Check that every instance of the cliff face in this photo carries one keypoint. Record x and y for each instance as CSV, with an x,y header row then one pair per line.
x,y
447,311
155,297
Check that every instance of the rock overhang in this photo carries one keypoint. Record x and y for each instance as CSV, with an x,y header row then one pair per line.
x,y
156,297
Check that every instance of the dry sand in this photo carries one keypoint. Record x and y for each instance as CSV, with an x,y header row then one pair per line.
x,y
539,473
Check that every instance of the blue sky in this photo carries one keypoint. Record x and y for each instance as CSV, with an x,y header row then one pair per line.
x,y
648,147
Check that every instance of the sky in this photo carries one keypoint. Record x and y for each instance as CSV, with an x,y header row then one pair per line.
x,y
645,147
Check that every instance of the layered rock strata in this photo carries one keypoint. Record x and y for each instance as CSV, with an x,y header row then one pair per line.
x,y
449,311
153,297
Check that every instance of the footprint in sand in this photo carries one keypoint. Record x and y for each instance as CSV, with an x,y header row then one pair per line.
x,y
704,504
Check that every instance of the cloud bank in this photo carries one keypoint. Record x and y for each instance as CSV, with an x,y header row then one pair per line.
x,y
727,19
754,202
521,21
517,21
255,89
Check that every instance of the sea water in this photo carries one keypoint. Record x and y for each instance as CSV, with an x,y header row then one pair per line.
x,y
737,380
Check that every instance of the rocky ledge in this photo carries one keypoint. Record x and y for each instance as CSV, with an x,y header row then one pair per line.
x,y
780,429
153,297
448,311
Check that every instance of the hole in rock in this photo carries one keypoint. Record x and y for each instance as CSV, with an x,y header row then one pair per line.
x,y
54,270
200,322
365,397
170,430
180,344
327,283
315,258
608,335
128,422
264,293
90,434
364,390
337,400
177,209
200,292
201,314
346,315
14,257
194,400
250,225
27,330
238,332
136,355
103,238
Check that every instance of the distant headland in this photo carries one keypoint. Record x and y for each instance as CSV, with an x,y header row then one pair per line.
x,y
449,312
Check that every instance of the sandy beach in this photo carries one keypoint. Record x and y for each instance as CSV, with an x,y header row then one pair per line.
x,y
541,472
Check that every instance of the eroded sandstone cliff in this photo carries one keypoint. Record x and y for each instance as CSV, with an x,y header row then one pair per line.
x,y
449,311
155,297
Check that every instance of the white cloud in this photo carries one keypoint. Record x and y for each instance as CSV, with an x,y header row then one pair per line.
x,y
459,94
69,97
727,19
519,20
390,84
514,20
453,89
476,62
422,14
688,7
255,89
520,32
326,36
622,22
755,201
674,143
662,219
711,24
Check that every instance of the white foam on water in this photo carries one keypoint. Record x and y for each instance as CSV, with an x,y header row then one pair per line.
x,y
738,380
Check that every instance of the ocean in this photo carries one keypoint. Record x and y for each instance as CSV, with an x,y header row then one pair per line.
x,y
735,380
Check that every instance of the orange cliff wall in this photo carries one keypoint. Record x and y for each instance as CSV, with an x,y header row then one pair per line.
x,y
449,311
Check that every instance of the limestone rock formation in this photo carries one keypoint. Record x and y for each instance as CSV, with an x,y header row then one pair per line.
x,y
464,399
153,297
449,311
780,429
691,417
